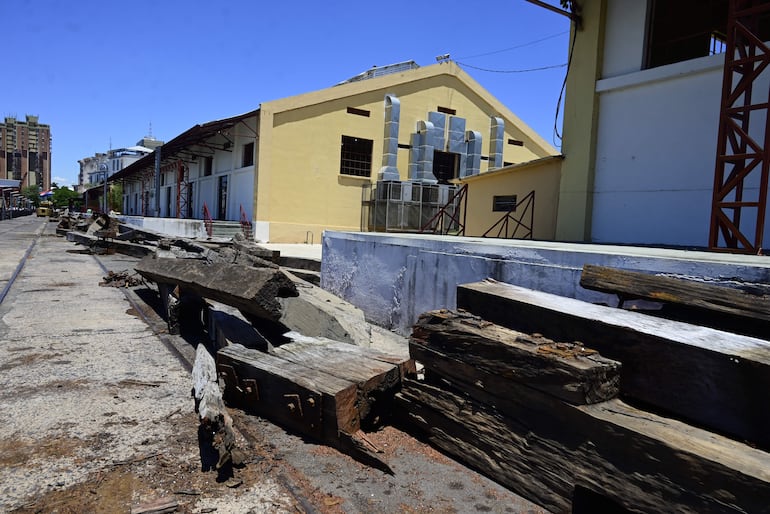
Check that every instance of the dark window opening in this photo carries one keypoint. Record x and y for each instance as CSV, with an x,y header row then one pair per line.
x,y
358,112
248,155
687,29
356,156
505,203
222,204
445,166
405,146
515,142
446,110
207,164
32,161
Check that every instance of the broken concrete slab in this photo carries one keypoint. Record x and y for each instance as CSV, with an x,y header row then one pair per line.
x,y
315,312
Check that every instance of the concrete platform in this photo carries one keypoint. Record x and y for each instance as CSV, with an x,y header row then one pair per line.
x,y
394,278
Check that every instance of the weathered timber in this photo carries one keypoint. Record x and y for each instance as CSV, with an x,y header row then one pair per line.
x,y
372,377
124,247
568,371
715,379
405,365
252,290
303,399
542,448
691,293
370,374
263,257
211,410
743,311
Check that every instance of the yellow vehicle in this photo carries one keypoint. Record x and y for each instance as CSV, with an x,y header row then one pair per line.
x,y
45,208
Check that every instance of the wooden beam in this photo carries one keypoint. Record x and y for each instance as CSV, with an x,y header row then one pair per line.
x,y
543,448
252,290
300,396
571,372
303,399
714,379
689,293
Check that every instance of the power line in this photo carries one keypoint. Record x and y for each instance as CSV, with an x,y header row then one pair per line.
x,y
556,133
554,66
523,45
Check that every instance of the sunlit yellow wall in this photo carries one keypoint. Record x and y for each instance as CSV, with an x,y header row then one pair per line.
x,y
541,176
581,109
299,190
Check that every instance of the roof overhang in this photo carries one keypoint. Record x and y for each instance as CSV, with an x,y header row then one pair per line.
x,y
170,151
511,169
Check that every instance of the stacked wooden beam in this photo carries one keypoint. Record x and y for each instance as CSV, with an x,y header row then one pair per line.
x,y
319,388
558,437
743,308
714,379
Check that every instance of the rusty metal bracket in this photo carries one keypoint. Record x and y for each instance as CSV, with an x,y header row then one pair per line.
x,y
295,404
244,389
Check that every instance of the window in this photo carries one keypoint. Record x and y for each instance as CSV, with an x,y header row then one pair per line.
x,y
248,155
686,29
505,203
356,156
222,204
446,110
358,112
207,164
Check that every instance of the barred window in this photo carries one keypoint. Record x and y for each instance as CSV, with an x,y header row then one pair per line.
x,y
356,156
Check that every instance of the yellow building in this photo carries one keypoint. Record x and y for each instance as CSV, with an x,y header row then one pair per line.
x,y
518,201
303,164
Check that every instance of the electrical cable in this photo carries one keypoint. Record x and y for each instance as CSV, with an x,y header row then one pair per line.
x,y
556,133
513,71
523,45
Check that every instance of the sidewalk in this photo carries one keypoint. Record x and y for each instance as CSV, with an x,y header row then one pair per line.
x,y
97,415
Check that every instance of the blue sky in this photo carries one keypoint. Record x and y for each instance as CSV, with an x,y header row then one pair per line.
x,y
100,72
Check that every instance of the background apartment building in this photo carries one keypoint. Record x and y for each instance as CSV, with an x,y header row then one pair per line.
x,y
25,152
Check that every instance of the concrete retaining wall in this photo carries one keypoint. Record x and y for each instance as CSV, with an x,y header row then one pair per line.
x,y
170,226
394,278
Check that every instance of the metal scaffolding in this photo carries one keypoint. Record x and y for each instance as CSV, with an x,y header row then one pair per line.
x,y
739,201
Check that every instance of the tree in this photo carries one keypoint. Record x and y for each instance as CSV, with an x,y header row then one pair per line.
x,y
63,195
32,193
115,196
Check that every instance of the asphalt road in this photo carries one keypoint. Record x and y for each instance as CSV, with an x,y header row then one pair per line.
x,y
97,415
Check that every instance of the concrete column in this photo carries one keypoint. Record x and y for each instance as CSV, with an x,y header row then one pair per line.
x,y
581,114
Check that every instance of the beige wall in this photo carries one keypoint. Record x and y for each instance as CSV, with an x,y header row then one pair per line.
x,y
581,108
299,188
542,176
